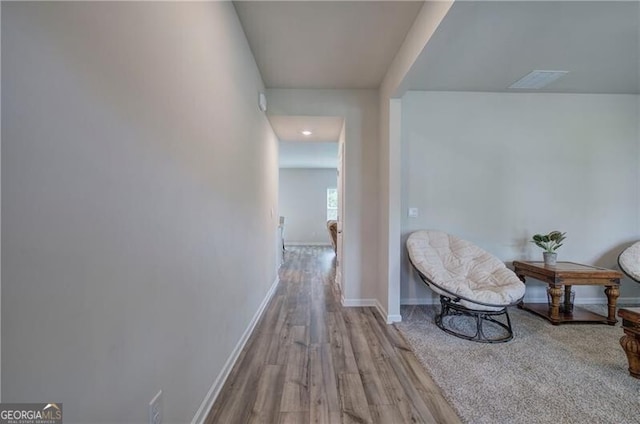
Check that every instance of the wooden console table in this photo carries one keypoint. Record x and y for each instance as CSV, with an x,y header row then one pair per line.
x,y
568,274
630,342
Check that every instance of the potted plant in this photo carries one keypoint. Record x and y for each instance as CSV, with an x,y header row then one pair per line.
x,y
550,243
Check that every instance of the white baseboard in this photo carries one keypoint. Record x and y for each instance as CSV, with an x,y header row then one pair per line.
x,y
420,301
371,303
390,319
214,391
350,303
591,300
582,301
382,311
310,243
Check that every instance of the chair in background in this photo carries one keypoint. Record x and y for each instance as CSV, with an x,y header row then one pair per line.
x,y
281,227
332,226
629,261
471,283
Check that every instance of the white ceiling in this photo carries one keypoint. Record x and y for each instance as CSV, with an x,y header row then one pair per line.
x,y
324,128
325,44
319,150
486,46
322,44
479,46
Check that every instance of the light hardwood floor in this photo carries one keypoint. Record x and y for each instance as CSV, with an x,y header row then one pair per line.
x,y
310,360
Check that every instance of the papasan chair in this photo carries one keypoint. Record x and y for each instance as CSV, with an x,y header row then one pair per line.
x,y
629,261
471,283
332,226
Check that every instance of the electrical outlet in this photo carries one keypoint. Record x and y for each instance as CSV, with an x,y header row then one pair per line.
x,y
155,409
413,212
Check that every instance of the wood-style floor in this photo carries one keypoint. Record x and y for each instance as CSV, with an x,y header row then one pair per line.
x,y
310,360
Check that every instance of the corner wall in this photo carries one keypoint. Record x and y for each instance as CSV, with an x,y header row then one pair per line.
x,y
303,203
496,168
390,107
139,204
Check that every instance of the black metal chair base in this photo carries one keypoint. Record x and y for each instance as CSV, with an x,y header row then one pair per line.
x,y
450,308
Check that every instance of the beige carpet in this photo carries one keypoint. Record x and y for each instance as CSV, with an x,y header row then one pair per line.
x,y
546,374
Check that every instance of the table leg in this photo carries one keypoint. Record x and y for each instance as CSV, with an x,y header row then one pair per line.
x,y
612,292
568,306
521,277
554,313
631,346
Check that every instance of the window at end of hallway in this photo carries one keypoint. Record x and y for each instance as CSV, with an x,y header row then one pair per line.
x,y
332,203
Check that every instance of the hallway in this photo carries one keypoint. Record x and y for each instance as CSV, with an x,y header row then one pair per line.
x,y
311,360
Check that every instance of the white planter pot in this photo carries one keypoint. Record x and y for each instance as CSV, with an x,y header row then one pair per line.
x,y
550,258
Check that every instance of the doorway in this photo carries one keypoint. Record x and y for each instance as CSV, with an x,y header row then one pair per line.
x,y
311,183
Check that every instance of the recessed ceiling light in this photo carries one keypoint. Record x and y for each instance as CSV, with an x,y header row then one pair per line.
x,y
537,79
306,132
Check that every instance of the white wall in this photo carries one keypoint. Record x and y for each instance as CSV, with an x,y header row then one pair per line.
x,y
360,224
138,175
303,203
497,168
391,88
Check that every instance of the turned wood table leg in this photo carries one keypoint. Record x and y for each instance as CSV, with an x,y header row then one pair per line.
x,y
612,292
522,278
630,342
568,305
555,293
631,346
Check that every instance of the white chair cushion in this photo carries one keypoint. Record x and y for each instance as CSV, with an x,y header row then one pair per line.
x,y
629,261
460,268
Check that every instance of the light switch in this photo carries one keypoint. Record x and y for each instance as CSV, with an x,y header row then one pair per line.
x,y
413,212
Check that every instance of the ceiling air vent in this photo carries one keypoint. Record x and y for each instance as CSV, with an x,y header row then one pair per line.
x,y
537,79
